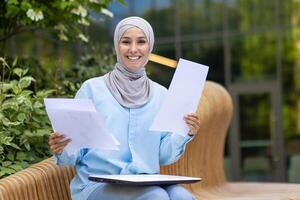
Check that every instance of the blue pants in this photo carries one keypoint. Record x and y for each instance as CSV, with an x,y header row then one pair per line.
x,y
120,192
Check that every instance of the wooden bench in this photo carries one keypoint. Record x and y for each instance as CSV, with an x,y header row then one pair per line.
x,y
204,158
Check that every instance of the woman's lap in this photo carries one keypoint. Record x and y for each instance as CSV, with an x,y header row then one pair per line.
x,y
120,192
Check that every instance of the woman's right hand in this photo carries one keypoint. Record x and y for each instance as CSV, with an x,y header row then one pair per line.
x,y
58,142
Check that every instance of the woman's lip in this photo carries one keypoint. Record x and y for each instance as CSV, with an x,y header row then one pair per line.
x,y
133,57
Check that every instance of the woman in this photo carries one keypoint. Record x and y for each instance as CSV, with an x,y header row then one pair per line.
x,y
128,101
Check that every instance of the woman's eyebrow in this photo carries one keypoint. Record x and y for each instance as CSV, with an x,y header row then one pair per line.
x,y
124,37
139,37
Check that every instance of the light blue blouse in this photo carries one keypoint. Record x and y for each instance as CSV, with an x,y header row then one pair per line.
x,y
141,150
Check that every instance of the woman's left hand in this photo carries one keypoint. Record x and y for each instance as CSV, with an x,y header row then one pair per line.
x,y
193,121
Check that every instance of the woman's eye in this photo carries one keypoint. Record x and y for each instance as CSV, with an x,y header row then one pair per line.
x,y
142,41
125,42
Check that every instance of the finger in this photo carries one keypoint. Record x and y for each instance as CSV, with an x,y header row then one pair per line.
x,y
192,116
58,147
56,139
192,122
55,134
194,130
193,125
62,142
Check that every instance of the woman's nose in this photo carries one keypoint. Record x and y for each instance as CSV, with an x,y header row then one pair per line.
x,y
133,48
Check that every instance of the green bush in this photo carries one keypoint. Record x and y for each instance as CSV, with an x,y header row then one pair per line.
x,y
24,125
97,62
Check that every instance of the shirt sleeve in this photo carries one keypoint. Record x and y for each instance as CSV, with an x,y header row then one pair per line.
x,y
172,146
83,92
65,159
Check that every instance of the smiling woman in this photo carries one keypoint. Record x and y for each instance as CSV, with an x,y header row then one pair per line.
x,y
129,101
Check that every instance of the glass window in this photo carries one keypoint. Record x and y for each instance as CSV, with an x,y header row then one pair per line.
x,y
200,16
253,57
247,15
256,142
208,52
161,18
255,117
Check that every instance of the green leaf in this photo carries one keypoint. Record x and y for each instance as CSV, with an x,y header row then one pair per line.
x,y
16,131
12,10
16,58
10,105
15,146
44,93
16,89
21,117
6,140
6,170
13,2
37,105
2,173
7,86
21,156
24,164
27,146
6,163
7,122
42,132
10,156
25,5
19,72
26,93
25,82
16,167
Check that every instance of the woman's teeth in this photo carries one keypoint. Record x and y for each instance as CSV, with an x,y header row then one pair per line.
x,y
133,57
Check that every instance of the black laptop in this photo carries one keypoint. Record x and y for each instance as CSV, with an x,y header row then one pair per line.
x,y
144,179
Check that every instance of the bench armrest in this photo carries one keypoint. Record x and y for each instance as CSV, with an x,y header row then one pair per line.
x,y
43,180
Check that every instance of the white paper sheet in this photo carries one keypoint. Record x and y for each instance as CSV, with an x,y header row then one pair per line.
x,y
79,121
182,98
69,104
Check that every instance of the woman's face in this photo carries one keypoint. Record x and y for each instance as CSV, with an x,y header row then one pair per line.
x,y
134,48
